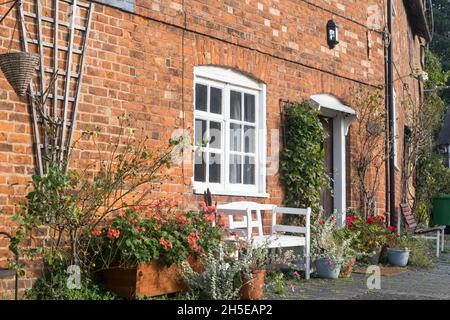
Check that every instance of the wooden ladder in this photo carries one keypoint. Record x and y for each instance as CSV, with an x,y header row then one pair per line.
x,y
58,31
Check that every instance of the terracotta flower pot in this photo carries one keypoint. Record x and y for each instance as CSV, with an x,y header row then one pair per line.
x,y
347,270
147,279
253,289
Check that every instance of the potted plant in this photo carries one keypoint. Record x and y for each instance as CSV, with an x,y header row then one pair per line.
x,y
398,252
373,234
254,260
219,279
351,254
330,250
140,252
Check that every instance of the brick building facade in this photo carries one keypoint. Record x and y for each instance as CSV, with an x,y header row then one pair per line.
x,y
152,57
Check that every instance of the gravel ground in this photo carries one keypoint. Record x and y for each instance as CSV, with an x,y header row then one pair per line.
x,y
416,284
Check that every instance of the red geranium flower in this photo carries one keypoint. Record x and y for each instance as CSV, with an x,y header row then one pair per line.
x,y
321,222
370,220
391,228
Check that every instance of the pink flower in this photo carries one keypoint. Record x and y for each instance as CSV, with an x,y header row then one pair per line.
x,y
113,233
166,243
120,214
182,219
210,217
391,228
96,232
192,239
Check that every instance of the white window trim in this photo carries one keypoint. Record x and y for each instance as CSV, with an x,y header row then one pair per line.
x,y
228,78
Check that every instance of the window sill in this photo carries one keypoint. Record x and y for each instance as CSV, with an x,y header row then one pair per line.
x,y
233,193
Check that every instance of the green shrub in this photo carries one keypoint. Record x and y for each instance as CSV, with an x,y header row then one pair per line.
x,y
421,254
53,286
302,172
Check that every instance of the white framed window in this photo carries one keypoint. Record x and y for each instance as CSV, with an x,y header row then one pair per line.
x,y
229,133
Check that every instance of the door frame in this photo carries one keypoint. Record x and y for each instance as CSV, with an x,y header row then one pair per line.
x,y
342,117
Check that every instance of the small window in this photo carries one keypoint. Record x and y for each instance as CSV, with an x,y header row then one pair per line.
x,y
422,56
229,133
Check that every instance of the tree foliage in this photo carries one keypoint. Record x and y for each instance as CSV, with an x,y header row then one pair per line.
x,y
441,39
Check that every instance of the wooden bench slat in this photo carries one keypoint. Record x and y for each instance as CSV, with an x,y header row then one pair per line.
x,y
284,228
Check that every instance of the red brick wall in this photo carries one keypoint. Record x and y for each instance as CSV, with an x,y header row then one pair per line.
x,y
139,63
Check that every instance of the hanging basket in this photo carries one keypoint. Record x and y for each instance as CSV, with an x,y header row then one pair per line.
x,y
18,68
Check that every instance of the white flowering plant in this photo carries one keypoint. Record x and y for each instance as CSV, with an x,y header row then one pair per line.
x,y
329,242
254,257
218,281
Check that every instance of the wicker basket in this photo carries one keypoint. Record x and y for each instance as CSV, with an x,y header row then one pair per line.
x,y
18,68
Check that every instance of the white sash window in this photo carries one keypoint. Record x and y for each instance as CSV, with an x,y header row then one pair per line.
x,y
229,133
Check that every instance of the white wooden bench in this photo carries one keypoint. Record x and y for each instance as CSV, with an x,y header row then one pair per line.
x,y
281,236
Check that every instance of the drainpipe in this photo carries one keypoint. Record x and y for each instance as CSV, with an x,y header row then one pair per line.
x,y
386,142
390,101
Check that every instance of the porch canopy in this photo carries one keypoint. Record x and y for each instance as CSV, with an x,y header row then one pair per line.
x,y
342,117
330,106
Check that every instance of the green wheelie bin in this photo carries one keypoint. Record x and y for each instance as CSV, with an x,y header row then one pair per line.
x,y
441,210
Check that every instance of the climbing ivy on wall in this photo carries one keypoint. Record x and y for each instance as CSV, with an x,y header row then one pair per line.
x,y
301,164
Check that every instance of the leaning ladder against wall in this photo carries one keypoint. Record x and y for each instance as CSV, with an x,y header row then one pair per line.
x,y
56,30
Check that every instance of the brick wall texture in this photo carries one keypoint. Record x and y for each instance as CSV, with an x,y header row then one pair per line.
x,y
142,63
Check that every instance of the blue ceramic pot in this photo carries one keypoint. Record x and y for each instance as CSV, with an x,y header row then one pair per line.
x,y
327,270
398,257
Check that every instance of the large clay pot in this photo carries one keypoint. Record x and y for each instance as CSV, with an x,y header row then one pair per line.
x,y
253,289
147,279
347,270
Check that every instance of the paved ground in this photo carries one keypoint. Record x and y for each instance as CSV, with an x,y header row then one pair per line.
x,y
416,284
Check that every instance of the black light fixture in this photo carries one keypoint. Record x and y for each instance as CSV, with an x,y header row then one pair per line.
x,y
332,34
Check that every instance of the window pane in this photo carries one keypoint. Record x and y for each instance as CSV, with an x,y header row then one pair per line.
x,y
235,105
249,107
249,139
201,93
249,170
215,105
235,168
215,134
199,167
235,137
200,129
214,168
